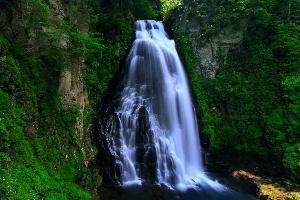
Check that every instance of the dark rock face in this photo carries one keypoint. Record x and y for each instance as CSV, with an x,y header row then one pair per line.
x,y
109,159
107,130
146,153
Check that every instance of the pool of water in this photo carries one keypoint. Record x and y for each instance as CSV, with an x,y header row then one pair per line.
x,y
161,193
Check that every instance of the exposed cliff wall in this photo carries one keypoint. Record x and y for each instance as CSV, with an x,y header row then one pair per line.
x,y
57,59
210,46
240,57
46,149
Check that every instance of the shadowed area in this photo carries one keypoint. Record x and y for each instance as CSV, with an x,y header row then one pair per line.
x,y
161,193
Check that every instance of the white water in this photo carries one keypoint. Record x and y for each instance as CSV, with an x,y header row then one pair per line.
x,y
157,82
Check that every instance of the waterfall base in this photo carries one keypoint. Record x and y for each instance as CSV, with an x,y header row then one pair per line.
x,y
160,193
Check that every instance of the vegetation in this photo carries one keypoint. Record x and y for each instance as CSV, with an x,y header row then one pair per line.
x,y
42,152
168,6
251,108
184,43
35,127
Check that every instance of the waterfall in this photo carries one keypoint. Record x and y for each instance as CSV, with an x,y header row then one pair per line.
x,y
156,140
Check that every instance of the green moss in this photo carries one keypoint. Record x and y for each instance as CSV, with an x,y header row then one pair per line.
x,y
168,6
184,43
31,168
41,153
291,158
251,108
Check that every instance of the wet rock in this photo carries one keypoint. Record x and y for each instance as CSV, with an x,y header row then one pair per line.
x,y
107,159
247,179
145,153
148,25
274,191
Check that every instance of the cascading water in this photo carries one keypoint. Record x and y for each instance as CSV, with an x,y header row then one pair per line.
x,y
157,139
